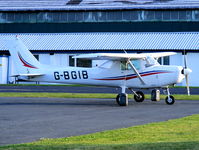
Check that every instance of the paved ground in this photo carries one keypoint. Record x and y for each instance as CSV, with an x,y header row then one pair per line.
x,y
81,89
29,119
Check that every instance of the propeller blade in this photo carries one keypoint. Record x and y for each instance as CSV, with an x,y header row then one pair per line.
x,y
186,73
187,84
185,61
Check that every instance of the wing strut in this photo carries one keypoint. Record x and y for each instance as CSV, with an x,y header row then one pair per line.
x,y
136,72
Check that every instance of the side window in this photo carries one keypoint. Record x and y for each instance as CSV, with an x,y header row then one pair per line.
x,y
136,64
79,62
123,65
84,63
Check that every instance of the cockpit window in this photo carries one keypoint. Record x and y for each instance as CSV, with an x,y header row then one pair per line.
x,y
136,63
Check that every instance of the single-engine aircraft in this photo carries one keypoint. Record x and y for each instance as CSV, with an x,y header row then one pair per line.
x,y
127,71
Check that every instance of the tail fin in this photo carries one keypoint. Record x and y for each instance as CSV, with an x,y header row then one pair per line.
x,y
23,58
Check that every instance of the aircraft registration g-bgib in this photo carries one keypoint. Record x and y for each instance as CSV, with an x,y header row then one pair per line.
x,y
127,71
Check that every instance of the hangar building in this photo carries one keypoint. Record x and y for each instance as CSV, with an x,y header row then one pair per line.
x,y
54,30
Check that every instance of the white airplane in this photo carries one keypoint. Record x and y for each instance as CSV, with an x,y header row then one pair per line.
x,y
127,71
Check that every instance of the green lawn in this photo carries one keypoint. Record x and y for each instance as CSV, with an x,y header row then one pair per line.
x,y
88,95
178,134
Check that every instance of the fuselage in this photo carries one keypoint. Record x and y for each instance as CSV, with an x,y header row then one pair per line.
x,y
153,76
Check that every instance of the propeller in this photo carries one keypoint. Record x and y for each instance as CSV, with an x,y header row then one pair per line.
x,y
186,72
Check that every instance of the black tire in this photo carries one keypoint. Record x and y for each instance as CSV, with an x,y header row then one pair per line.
x,y
122,99
170,101
140,97
117,99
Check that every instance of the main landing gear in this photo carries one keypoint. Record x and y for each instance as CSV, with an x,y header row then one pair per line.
x,y
138,96
122,98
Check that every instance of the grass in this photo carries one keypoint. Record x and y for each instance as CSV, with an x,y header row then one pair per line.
x,y
79,85
178,134
88,95
42,85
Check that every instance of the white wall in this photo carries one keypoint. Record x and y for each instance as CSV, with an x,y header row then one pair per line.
x,y
193,64
44,58
57,60
176,59
3,69
12,70
62,59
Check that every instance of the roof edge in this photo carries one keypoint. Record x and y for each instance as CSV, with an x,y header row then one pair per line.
x,y
101,8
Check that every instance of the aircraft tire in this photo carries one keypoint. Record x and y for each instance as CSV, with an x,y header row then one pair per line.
x,y
140,97
170,101
122,99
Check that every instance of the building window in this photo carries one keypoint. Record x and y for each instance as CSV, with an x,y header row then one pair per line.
x,y
71,61
36,56
164,60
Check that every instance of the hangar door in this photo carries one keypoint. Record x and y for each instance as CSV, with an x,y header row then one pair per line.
x,y
3,69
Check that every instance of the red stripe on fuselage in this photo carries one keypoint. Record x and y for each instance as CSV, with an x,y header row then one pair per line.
x,y
128,78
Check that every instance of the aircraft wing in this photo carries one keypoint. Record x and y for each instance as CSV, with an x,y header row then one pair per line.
x,y
123,56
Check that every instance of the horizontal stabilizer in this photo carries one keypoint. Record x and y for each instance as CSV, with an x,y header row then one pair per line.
x,y
28,75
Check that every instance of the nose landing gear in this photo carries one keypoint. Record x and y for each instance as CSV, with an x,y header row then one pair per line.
x,y
170,100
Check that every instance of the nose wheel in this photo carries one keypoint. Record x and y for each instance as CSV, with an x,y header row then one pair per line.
x,y
170,100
